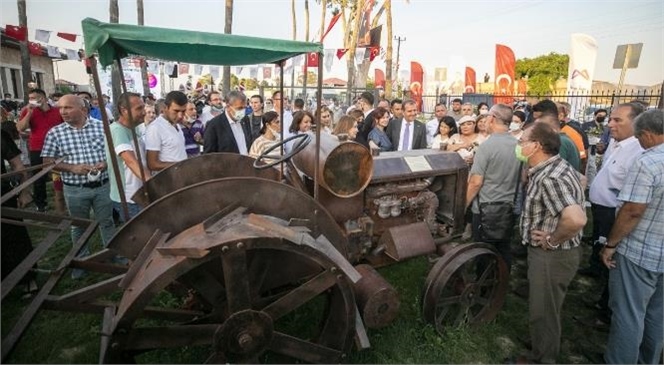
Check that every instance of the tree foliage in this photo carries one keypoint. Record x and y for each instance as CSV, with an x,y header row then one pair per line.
x,y
543,71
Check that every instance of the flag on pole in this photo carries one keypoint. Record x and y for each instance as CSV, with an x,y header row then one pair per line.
x,y
341,52
582,58
16,32
504,81
68,36
53,52
42,35
471,83
416,80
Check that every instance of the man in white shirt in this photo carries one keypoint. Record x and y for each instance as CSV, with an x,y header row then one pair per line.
x,y
164,140
432,126
230,131
215,107
287,118
623,151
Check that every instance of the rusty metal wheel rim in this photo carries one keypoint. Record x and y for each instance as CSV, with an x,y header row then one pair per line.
x,y
331,346
470,298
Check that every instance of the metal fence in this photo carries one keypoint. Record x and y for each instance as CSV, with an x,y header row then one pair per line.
x,y
583,104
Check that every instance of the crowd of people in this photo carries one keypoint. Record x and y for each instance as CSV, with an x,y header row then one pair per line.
x,y
531,168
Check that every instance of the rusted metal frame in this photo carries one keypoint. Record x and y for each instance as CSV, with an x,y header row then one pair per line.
x,y
35,255
93,291
97,307
107,132
319,96
17,190
236,278
301,294
281,113
29,224
99,267
101,256
8,212
27,169
9,341
157,237
304,350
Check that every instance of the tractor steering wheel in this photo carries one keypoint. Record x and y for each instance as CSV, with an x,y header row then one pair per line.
x,y
299,146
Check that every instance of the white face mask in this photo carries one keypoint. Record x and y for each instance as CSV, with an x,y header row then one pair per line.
x,y
515,126
237,114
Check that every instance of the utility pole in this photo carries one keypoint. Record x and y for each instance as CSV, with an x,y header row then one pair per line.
x,y
26,68
399,40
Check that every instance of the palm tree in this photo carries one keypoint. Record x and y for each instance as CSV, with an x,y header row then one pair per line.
x,y
351,42
115,71
144,65
388,56
26,69
292,92
228,30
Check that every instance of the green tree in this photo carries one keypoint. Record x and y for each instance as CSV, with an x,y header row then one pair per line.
x,y
543,71
312,78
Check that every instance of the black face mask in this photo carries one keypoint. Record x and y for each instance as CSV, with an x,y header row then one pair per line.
x,y
600,119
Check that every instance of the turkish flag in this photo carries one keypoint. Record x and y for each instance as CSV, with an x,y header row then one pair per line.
x,y
504,79
379,78
341,52
16,32
35,49
471,84
373,53
68,36
312,59
416,80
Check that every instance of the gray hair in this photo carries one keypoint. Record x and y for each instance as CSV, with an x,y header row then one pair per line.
x,y
502,112
408,102
650,121
236,95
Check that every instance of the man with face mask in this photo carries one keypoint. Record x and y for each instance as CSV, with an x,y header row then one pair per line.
x,y
39,117
230,131
215,107
192,128
551,226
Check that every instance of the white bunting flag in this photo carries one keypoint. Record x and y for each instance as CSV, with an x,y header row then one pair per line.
x,y
198,70
153,67
298,60
359,55
42,35
53,51
214,71
329,58
253,72
72,55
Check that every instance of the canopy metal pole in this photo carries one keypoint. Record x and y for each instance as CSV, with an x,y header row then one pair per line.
x,y
281,113
107,132
137,148
319,100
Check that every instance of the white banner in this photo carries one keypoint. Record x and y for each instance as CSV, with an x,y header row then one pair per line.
x,y
456,75
582,58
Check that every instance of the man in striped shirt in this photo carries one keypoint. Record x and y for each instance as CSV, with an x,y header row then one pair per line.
x,y
551,224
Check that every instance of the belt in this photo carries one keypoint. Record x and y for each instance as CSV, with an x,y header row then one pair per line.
x,y
89,185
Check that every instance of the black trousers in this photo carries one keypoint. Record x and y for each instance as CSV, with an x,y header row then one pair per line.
x,y
16,245
503,247
603,219
39,187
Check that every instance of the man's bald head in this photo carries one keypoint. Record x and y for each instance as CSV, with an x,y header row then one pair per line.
x,y
73,110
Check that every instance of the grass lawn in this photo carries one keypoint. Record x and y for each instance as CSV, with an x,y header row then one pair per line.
x,y
60,337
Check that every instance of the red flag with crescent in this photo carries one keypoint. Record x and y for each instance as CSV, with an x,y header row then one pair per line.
x,y
471,83
34,49
416,80
373,52
341,52
504,79
312,59
16,32
379,78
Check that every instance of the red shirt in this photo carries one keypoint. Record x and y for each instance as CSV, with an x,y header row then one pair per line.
x,y
40,123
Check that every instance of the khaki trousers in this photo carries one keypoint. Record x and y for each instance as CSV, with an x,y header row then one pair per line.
x,y
549,275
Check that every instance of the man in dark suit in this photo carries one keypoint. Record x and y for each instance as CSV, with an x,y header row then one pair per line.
x,y
407,134
367,105
229,131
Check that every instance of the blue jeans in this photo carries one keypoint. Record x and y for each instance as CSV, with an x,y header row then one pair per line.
x,y
637,302
133,209
80,201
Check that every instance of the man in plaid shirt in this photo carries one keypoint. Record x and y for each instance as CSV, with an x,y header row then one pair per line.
x,y
634,253
81,140
551,223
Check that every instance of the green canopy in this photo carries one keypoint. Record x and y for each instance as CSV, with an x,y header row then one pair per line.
x,y
113,41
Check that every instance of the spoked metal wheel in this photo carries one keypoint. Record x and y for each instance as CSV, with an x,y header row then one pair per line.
x,y
266,289
466,286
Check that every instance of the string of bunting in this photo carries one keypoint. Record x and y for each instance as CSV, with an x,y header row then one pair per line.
x,y
20,34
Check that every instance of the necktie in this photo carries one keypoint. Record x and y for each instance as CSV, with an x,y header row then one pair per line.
x,y
406,137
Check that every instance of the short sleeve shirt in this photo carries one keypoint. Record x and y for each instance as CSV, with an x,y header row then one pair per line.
x,y
9,151
40,123
569,152
123,141
166,138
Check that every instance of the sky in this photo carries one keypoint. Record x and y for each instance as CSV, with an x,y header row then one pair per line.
x,y
434,30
